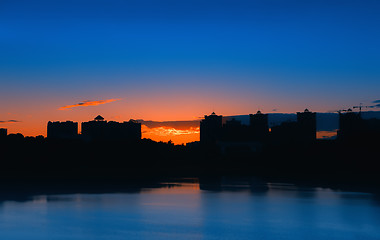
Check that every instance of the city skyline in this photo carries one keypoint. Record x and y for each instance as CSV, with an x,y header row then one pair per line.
x,y
176,61
189,119
182,132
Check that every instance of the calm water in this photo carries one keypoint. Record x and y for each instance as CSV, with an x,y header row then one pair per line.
x,y
193,211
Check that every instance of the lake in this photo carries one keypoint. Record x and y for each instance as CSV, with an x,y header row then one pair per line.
x,y
190,209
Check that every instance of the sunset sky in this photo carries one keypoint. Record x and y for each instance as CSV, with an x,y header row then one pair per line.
x,y
178,60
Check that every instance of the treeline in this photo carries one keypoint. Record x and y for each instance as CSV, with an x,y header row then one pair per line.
x,y
354,161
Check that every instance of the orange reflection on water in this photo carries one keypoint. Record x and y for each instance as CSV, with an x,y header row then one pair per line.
x,y
190,187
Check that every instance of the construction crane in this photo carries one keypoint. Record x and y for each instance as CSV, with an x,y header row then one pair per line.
x,y
360,107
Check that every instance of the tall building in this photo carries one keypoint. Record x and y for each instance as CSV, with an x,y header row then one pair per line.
x,y
62,130
286,132
234,131
3,132
211,127
99,129
307,123
350,125
94,130
133,129
304,130
130,130
259,127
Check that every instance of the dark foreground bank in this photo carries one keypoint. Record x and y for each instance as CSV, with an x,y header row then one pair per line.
x,y
69,163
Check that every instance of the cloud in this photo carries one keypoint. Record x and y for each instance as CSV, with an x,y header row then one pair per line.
x,y
376,101
180,125
9,121
89,103
374,106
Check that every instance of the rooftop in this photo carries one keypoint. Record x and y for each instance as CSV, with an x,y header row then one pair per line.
x,y
99,118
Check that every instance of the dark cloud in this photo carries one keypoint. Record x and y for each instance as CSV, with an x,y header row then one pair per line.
x,y
376,101
9,121
88,103
374,106
181,125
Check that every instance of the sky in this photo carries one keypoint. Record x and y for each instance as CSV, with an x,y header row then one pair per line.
x,y
170,60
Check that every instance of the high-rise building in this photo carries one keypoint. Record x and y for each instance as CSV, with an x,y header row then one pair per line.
x,y
94,130
286,132
304,130
350,125
234,131
130,130
62,130
99,129
3,132
307,123
259,127
210,128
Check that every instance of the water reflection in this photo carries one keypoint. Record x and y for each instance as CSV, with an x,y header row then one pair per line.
x,y
216,208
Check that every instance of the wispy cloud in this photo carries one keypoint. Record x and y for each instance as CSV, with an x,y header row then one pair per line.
x,y
374,106
9,121
89,103
181,125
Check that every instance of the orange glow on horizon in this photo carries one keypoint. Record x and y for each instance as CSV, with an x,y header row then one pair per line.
x,y
165,134
326,134
31,117
33,113
181,188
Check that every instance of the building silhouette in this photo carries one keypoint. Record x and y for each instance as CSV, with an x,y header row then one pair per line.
x,y
350,124
259,127
373,125
62,130
232,137
304,130
3,132
234,131
237,139
285,132
94,130
353,127
307,123
211,128
100,129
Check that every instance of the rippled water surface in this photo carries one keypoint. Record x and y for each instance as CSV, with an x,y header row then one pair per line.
x,y
196,211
